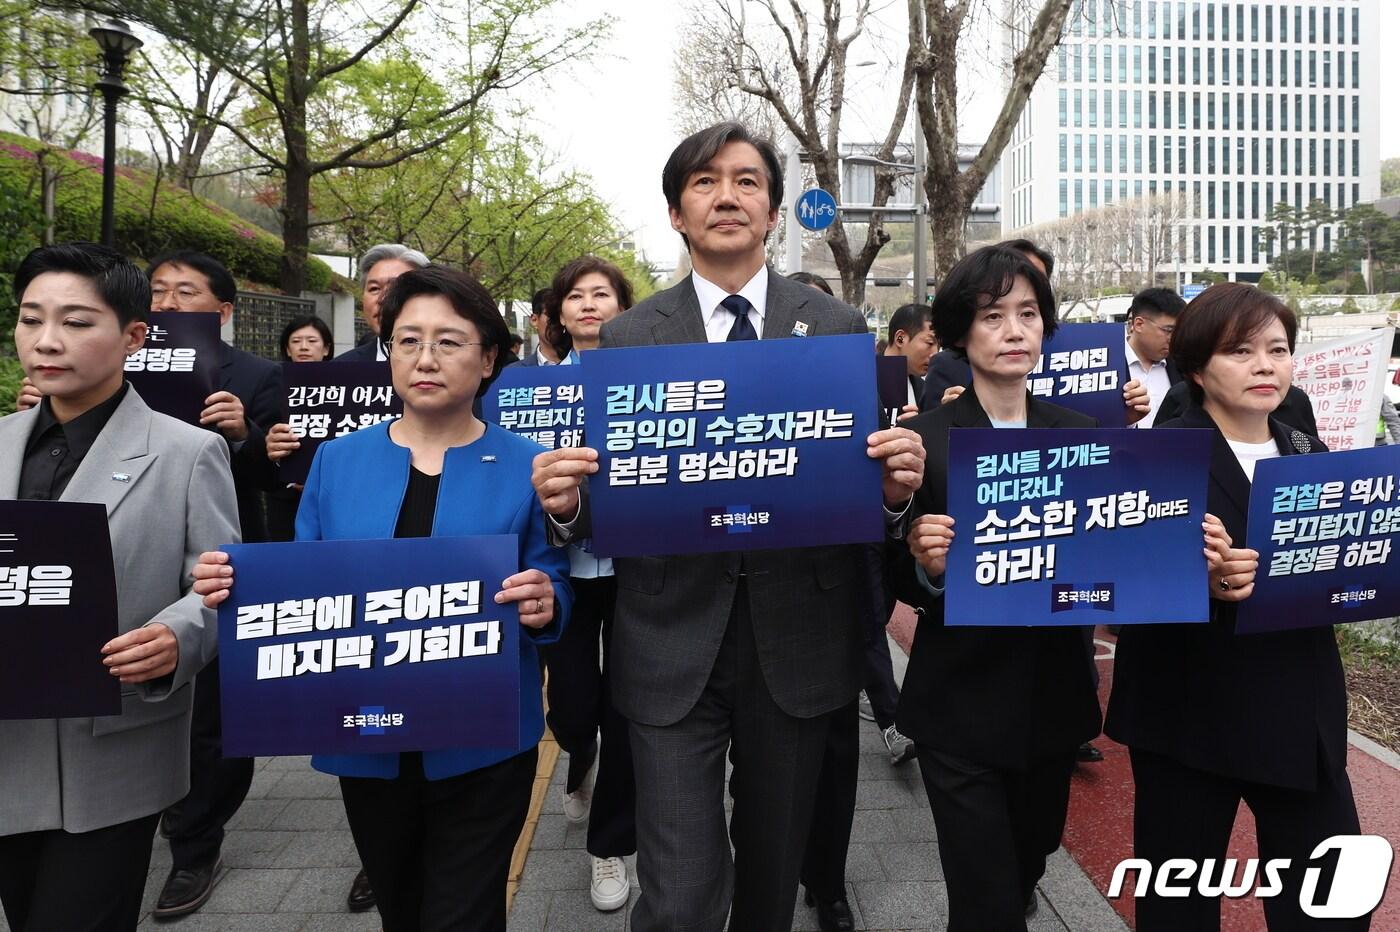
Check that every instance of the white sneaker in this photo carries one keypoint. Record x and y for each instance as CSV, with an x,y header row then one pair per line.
x,y
578,803
610,887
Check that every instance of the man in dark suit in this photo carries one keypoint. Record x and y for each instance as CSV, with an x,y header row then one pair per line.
x,y
912,337
245,406
378,269
746,653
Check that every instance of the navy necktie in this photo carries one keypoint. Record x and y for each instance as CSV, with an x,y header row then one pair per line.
x,y
739,306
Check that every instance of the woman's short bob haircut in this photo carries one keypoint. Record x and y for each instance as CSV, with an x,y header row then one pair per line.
x,y
1220,318
564,282
468,298
981,279
306,320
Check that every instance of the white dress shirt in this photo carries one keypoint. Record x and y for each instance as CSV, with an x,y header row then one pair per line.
x,y
718,318
1153,377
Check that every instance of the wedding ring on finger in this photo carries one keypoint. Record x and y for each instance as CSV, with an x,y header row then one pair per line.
x,y
1225,586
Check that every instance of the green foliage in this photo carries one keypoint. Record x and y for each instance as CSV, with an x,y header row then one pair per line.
x,y
20,226
1267,283
10,376
1210,277
1349,306
151,216
1390,177
1356,283
1312,281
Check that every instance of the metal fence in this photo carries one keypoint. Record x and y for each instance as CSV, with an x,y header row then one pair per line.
x,y
258,320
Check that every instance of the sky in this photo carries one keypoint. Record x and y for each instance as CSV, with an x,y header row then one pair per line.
x,y
612,117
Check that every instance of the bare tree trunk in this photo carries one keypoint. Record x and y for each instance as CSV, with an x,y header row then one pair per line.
x,y
296,194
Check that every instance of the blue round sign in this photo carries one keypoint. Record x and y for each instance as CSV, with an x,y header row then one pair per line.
x,y
816,209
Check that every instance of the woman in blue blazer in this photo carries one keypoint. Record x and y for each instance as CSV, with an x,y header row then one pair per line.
x,y
436,829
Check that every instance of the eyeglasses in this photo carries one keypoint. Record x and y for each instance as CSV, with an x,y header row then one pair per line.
x,y
410,347
1167,330
183,296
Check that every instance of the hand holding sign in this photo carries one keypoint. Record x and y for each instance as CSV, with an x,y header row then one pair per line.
x,y
224,412
929,540
1136,401
213,577
281,442
901,453
535,593
557,475
1230,570
143,654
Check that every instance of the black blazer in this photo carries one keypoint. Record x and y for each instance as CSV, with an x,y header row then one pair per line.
x,y
999,696
257,383
1294,411
1267,708
364,351
946,369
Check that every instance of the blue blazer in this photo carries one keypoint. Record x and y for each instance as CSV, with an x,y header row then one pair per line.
x,y
354,491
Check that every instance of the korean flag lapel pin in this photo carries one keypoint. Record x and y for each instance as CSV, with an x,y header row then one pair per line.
x,y
121,477
488,458
799,329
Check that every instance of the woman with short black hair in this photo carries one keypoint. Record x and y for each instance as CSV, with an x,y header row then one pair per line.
x,y
306,339
1211,717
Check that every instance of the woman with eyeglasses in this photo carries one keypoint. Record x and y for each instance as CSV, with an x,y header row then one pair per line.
x,y
435,830
1211,717
587,293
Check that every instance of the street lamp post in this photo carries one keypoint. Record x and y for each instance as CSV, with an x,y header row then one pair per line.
x,y
117,42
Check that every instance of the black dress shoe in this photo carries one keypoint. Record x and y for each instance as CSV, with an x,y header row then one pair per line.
x,y
1088,754
832,916
361,896
186,890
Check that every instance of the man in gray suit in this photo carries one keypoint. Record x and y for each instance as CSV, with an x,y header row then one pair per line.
x,y
80,797
746,653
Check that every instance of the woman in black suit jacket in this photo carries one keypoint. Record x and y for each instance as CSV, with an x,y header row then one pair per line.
x,y
997,713
1211,717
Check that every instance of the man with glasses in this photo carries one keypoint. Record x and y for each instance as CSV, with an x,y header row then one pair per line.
x,y
247,403
1151,320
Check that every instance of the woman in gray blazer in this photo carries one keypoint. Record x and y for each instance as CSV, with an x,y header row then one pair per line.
x,y
80,797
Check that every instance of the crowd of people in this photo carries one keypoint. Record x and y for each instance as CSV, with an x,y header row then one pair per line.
x,y
656,672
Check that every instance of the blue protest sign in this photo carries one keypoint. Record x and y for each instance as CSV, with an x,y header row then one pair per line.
x,y
1326,527
178,366
816,209
543,403
409,652
326,400
733,446
1084,367
1190,291
1076,527
58,606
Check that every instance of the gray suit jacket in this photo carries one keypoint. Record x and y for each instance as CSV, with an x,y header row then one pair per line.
x,y
672,611
81,774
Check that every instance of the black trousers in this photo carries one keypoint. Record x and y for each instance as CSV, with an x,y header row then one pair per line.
x,y
580,707
438,852
59,881
879,683
824,863
1181,812
688,878
995,829
218,785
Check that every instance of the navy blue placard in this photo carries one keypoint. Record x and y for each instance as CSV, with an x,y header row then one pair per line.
x,y
1076,527
1327,528
176,369
1084,367
58,606
454,679
733,446
326,400
542,403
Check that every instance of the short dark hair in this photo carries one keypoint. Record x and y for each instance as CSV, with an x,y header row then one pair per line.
x,y
1156,301
1027,246
117,279
539,301
467,296
221,283
813,281
982,278
306,320
1220,317
564,281
698,149
911,319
